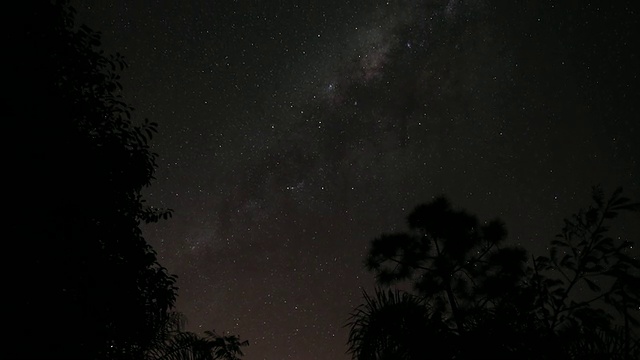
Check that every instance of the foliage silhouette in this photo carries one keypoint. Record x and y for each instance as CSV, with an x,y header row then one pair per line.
x,y
601,343
584,254
85,273
174,343
488,303
394,325
451,259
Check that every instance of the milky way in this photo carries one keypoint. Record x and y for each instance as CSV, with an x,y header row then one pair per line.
x,y
291,135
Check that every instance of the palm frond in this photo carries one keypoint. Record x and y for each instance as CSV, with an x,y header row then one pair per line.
x,y
390,325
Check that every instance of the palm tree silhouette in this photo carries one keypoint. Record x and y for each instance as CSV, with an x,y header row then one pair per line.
x,y
395,325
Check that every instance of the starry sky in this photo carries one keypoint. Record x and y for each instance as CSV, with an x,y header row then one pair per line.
x,y
292,133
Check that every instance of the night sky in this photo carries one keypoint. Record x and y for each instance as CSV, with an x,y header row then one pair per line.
x,y
292,133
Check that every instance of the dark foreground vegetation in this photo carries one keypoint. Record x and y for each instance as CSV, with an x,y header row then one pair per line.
x,y
83,282
474,297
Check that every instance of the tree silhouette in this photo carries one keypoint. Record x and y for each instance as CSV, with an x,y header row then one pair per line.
x,y
450,259
85,274
477,299
394,325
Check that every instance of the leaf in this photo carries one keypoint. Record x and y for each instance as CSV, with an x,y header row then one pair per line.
x,y
541,263
620,201
604,245
592,286
567,261
628,207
